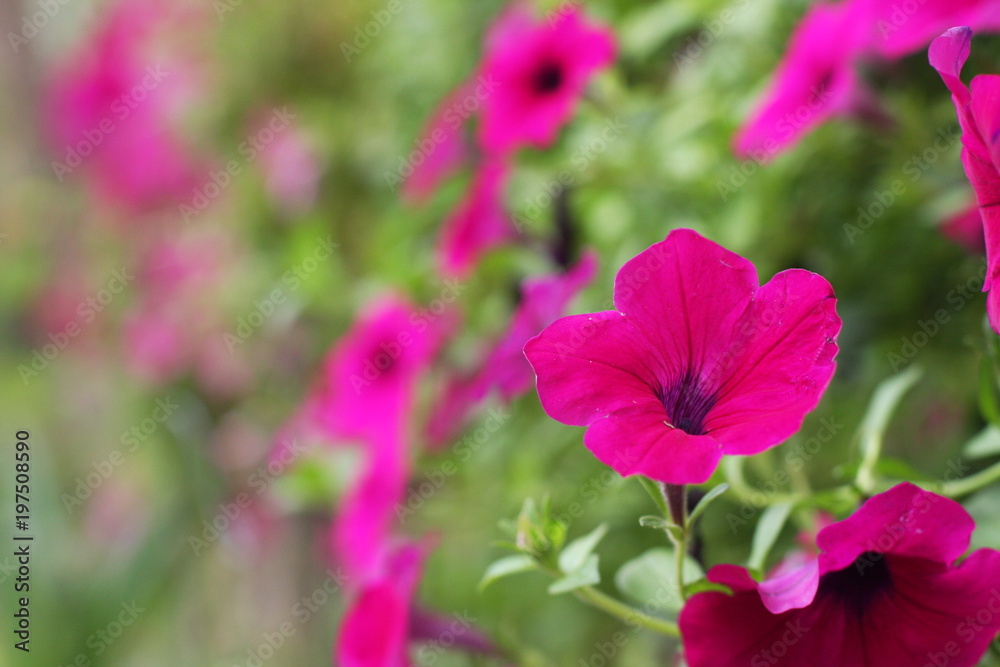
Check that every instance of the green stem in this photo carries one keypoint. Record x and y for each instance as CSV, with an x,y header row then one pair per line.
x,y
628,614
655,491
676,497
963,487
733,467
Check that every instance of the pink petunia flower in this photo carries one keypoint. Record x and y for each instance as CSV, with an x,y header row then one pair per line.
x,y
884,591
978,109
696,362
815,80
480,221
539,71
375,629
504,367
110,108
366,393
900,30
443,146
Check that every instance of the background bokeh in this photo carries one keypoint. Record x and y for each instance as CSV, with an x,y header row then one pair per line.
x,y
684,80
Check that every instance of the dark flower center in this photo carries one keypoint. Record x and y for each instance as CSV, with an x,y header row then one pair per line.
x,y
687,404
548,78
858,584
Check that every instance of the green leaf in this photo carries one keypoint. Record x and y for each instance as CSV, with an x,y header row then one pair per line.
x,y
578,552
896,469
655,491
505,567
705,502
985,444
703,585
585,575
772,520
654,522
876,420
651,578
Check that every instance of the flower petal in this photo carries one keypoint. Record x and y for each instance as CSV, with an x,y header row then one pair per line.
x,y
779,363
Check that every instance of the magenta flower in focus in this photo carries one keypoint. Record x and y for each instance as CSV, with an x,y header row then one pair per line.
x,y
814,81
504,367
539,70
696,362
884,591
375,629
479,223
978,109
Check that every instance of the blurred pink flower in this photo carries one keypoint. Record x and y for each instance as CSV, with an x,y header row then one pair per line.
x,y
966,229
504,367
978,111
375,629
292,169
109,111
698,361
538,71
884,591
443,146
814,81
899,29
479,223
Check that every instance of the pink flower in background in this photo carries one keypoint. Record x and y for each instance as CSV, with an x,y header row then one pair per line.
x,y
291,168
899,30
978,109
814,81
443,146
885,590
110,108
966,229
696,362
538,71
504,368
479,223
369,379
375,629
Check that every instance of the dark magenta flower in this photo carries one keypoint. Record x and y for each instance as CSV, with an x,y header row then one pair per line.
x,y
479,223
815,80
504,368
966,229
884,591
978,108
697,361
540,70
